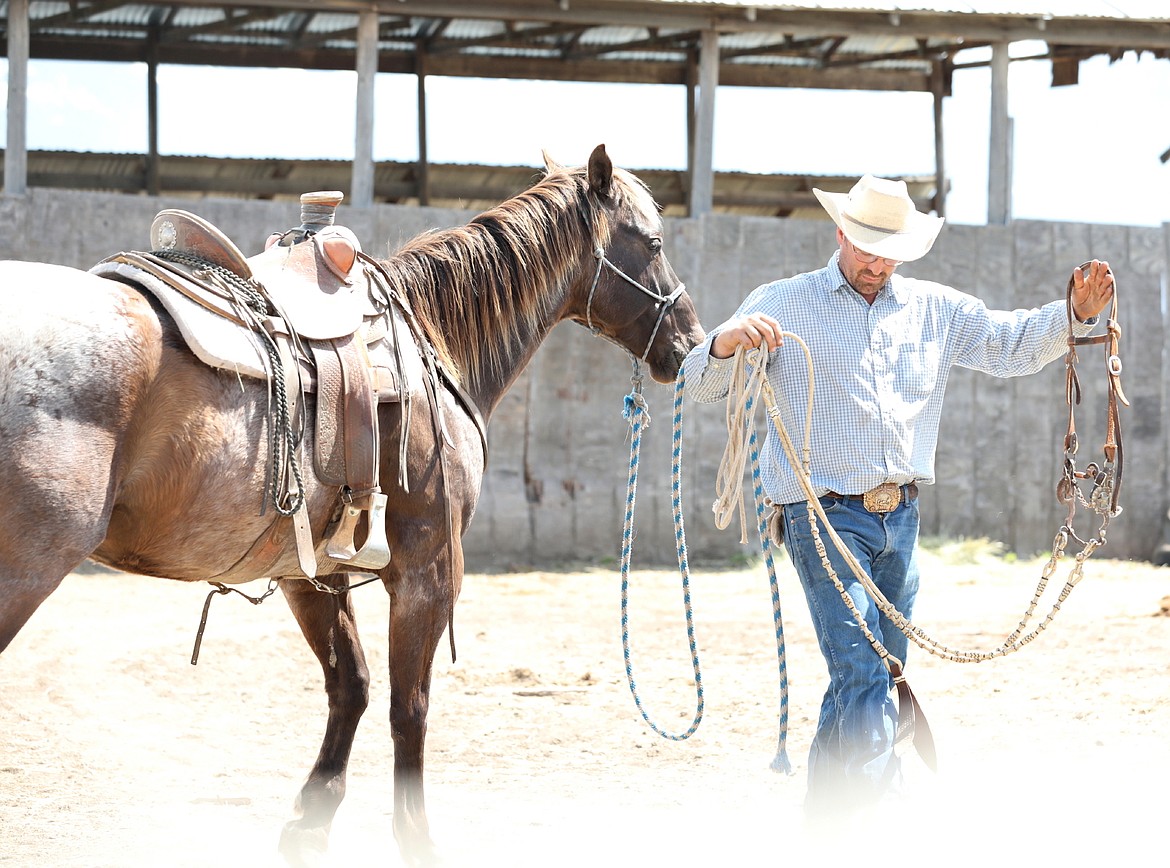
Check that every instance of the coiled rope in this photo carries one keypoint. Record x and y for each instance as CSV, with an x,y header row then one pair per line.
x,y
744,391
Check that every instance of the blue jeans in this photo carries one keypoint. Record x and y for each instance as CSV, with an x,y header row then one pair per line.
x,y
852,762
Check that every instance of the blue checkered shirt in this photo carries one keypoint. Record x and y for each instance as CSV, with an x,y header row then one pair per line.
x,y
880,372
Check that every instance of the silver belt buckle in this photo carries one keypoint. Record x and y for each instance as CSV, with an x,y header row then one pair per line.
x,y
885,498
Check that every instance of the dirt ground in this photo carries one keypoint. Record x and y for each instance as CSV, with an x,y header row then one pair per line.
x,y
115,751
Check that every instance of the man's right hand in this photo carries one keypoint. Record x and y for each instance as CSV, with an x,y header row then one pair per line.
x,y
750,330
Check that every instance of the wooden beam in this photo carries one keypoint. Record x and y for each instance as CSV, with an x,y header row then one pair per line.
x,y
362,188
451,185
481,66
692,106
152,161
702,174
741,18
999,174
16,153
939,82
424,180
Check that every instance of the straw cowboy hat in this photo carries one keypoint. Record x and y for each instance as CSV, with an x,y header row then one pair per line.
x,y
878,216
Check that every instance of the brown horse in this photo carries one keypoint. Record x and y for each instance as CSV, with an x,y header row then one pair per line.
x,y
119,445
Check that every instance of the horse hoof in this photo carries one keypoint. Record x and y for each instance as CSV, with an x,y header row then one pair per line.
x,y
419,853
303,848
426,857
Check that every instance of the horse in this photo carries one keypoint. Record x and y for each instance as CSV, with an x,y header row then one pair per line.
x,y
122,447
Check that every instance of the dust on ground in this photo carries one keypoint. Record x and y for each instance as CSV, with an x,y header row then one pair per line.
x,y
116,751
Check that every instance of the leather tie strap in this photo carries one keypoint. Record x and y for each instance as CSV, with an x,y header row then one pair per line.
x,y
912,720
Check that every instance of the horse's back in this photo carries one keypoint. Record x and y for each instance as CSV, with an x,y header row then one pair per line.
x,y
61,304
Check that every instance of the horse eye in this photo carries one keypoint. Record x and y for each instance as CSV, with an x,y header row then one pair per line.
x,y
655,246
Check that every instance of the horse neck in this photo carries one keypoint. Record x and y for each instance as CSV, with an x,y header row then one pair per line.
x,y
489,384
491,291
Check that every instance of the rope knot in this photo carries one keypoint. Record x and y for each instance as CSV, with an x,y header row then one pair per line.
x,y
635,401
635,404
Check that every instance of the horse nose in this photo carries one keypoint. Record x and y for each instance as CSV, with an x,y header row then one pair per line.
x,y
678,354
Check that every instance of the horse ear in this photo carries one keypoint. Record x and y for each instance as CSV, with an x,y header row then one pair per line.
x,y
550,165
600,172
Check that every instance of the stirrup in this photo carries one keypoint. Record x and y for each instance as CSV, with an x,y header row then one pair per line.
x,y
375,553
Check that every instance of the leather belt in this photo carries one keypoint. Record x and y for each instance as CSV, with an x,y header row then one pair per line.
x,y
885,498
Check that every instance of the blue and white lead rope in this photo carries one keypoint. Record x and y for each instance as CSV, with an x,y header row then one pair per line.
x,y
781,762
635,410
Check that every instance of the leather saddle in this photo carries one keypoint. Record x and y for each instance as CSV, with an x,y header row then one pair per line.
x,y
312,311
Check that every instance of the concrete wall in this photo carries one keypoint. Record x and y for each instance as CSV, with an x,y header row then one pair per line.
x,y
556,483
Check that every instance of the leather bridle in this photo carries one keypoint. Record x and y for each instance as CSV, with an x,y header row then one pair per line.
x,y
1104,496
662,303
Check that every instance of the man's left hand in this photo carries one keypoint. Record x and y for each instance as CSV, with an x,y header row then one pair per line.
x,y
1092,289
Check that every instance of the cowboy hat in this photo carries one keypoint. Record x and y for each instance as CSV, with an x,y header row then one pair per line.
x,y
878,216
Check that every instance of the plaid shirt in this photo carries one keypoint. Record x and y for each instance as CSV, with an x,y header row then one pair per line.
x,y
880,372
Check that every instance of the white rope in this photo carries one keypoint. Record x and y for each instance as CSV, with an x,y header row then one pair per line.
x,y
743,392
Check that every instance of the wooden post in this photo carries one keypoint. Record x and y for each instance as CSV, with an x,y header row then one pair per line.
x,y
16,153
999,169
362,188
422,172
153,185
702,181
938,87
691,108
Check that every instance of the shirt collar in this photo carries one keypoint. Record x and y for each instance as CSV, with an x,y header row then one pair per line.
x,y
895,284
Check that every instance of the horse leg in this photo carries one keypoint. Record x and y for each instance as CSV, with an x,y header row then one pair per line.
x,y
327,621
52,522
25,588
418,617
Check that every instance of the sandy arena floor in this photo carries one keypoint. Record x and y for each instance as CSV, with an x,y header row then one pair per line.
x,y
115,751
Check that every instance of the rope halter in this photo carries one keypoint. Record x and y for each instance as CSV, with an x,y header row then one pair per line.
x,y
663,303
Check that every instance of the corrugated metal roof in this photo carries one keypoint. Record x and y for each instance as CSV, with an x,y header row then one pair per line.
x,y
539,31
1152,10
865,44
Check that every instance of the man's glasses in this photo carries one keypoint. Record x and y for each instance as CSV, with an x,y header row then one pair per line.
x,y
869,259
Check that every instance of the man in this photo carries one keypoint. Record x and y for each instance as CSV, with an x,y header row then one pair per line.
x,y
882,346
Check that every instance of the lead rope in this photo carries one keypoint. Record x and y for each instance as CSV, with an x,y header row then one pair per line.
x,y
635,411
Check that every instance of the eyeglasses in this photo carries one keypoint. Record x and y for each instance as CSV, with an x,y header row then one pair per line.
x,y
869,259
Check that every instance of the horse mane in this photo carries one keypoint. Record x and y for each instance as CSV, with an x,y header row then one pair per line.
x,y
481,289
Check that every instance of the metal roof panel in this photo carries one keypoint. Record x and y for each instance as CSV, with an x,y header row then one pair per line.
x,y
1153,10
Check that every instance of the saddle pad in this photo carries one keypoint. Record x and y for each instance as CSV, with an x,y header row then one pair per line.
x,y
222,343
216,341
